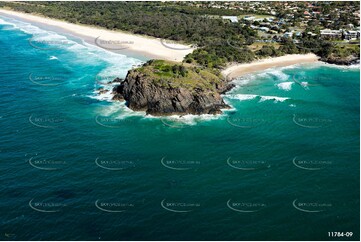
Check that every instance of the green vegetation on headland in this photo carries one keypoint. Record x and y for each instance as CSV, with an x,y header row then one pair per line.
x,y
219,41
172,75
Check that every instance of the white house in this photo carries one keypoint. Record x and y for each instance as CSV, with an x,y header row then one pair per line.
x,y
233,19
328,33
288,35
265,29
350,35
311,34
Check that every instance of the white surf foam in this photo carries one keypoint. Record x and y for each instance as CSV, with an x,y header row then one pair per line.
x,y
286,86
120,111
274,98
304,84
241,81
243,97
279,74
106,96
75,46
4,22
189,119
117,65
320,64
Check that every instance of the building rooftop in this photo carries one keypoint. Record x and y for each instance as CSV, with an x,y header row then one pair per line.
x,y
233,19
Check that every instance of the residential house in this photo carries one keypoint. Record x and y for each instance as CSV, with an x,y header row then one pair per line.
x,y
350,35
288,35
233,19
331,34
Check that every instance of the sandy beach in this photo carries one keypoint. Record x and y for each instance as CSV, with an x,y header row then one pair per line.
x,y
149,47
116,41
236,70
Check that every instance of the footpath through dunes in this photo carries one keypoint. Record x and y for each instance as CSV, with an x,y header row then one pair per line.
x,y
120,42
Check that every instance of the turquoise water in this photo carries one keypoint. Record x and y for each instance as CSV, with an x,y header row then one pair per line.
x,y
283,164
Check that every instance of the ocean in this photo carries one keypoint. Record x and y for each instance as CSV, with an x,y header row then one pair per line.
x,y
282,164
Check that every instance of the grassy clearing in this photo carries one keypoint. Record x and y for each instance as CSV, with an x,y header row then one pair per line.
x,y
257,45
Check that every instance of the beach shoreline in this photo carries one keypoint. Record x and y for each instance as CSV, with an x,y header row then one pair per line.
x,y
146,47
236,70
138,46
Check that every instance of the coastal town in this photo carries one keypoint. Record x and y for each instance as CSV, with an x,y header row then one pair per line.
x,y
217,41
303,25
274,20
219,33
180,121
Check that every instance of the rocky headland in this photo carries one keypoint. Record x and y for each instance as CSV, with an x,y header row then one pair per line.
x,y
163,88
337,60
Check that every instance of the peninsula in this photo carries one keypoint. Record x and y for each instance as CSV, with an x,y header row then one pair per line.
x,y
196,51
164,88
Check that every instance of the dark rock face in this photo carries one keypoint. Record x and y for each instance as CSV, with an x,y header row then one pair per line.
x,y
142,94
117,91
116,80
349,60
101,91
118,97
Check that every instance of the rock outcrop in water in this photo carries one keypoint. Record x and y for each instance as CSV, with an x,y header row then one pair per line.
x,y
349,60
161,88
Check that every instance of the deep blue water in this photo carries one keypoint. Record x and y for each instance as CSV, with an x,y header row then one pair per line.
x,y
283,164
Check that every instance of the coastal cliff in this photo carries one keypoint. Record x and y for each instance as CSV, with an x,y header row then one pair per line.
x,y
163,88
